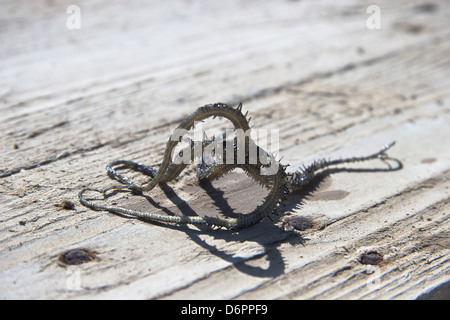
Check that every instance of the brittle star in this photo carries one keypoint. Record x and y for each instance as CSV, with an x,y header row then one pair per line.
x,y
279,182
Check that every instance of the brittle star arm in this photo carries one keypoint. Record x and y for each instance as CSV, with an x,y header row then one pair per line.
x,y
302,177
268,206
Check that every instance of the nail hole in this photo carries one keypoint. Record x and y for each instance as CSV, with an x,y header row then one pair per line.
x,y
372,258
66,205
77,256
299,223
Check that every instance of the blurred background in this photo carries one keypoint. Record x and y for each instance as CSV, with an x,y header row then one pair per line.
x,y
194,51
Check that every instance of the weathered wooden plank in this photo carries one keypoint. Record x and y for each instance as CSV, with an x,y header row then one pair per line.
x,y
72,100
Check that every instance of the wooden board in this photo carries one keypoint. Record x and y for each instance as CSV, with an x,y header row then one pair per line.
x,y
73,100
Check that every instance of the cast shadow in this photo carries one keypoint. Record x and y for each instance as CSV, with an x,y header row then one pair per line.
x,y
266,234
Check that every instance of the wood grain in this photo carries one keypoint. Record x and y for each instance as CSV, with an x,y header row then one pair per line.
x,y
73,100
